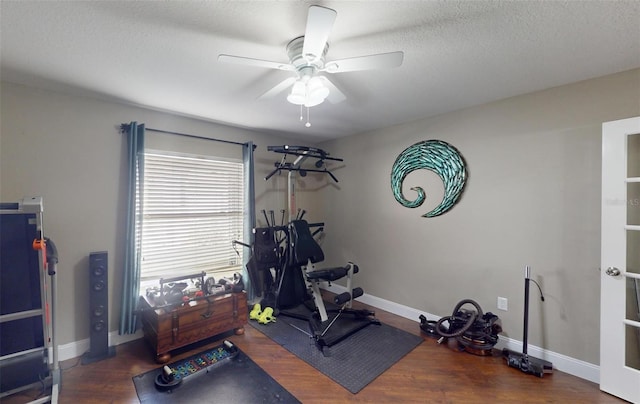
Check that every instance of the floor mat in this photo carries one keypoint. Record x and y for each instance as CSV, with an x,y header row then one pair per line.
x,y
353,362
214,375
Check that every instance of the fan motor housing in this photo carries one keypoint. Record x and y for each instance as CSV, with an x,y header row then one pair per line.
x,y
300,61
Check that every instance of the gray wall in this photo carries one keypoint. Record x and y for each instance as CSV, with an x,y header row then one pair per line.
x,y
68,150
532,197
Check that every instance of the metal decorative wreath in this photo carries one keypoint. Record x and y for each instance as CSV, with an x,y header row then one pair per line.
x,y
437,156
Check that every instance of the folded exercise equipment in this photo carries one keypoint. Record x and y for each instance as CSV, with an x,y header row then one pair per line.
x,y
28,297
475,332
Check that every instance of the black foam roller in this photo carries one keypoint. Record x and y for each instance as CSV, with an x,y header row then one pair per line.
x,y
342,298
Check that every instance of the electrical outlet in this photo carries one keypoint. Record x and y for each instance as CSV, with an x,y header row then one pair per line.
x,y
503,303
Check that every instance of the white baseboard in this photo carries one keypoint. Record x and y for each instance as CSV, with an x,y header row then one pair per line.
x,y
78,348
575,367
572,366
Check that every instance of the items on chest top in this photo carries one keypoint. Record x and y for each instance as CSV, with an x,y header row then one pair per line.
x,y
190,288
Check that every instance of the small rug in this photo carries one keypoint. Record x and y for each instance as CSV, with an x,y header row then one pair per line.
x,y
353,362
217,374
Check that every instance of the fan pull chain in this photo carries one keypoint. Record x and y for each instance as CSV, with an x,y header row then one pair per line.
x,y
301,117
308,124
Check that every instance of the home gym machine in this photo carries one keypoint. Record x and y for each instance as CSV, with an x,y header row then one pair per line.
x,y
284,258
28,347
269,268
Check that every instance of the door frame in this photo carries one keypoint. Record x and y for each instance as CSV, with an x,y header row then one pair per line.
x,y
615,377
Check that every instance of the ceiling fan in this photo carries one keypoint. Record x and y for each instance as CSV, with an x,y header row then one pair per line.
x,y
307,59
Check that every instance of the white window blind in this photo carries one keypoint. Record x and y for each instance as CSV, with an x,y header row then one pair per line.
x,y
192,210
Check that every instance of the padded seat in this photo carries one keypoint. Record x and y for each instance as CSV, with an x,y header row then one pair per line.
x,y
330,274
304,247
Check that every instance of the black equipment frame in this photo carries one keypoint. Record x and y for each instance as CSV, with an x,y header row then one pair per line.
x,y
302,153
23,367
294,290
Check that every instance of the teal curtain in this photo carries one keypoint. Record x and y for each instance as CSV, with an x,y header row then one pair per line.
x,y
135,178
249,211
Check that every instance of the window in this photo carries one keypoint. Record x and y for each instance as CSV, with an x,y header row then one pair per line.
x,y
192,210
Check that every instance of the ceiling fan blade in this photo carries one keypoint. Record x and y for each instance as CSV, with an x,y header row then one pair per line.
x,y
319,24
370,62
254,62
335,96
280,87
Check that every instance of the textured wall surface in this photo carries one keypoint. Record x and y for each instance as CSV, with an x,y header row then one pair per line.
x,y
68,150
532,197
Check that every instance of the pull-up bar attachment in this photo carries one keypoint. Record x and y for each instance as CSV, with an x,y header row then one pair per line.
x,y
302,153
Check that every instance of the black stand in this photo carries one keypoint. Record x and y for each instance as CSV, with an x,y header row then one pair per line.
x,y
523,361
88,357
342,325
344,321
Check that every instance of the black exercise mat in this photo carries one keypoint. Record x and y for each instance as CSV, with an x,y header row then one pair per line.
x,y
232,380
353,362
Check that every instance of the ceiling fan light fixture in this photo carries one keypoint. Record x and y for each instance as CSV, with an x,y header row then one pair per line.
x,y
312,102
316,88
308,92
316,92
298,93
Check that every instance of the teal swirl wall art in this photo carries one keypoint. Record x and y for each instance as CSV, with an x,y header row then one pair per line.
x,y
437,156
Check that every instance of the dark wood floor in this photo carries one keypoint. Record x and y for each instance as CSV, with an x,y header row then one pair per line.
x,y
431,373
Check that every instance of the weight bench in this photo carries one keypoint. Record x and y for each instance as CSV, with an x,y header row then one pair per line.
x,y
328,326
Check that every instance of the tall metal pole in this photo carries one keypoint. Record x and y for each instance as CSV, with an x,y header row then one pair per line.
x,y
291,194
527,275
291,186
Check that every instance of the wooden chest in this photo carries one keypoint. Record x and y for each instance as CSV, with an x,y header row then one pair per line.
x,y
170,328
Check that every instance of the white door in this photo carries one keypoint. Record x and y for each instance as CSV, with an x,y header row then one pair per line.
x,y
620,260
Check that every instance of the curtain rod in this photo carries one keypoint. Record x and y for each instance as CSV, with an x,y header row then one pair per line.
x,y
125,126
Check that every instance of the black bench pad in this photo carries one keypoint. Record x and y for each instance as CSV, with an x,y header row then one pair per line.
x,y
328,274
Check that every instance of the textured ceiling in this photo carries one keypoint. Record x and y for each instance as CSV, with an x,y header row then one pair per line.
x,y
163,55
